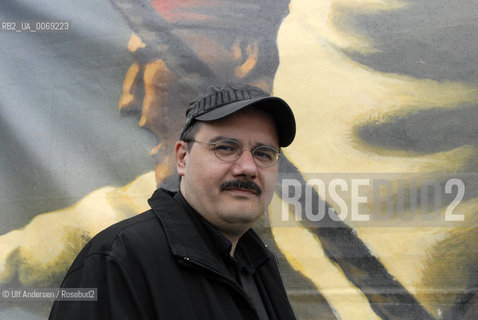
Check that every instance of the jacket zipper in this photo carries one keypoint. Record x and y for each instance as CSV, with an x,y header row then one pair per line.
x,y
223,278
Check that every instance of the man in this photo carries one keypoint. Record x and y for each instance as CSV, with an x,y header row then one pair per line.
x,y
194,254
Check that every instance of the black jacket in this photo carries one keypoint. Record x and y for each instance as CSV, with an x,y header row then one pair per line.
x,y
157,265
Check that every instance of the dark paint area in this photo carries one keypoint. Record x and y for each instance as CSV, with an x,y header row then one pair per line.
x,y
425,131
427,39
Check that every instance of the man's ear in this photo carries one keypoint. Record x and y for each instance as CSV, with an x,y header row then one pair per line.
x,y
181,151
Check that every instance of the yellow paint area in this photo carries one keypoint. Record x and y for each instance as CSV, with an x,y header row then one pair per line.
x,y
48,244
305,254
331,94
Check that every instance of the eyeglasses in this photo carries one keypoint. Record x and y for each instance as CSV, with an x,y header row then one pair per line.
x,y
231,150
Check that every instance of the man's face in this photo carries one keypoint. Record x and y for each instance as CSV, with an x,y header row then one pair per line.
x,y
232,210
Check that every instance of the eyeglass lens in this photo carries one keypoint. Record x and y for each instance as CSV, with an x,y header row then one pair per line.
x,y
230,150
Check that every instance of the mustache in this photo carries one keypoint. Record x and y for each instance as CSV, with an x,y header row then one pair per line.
x,y
241,184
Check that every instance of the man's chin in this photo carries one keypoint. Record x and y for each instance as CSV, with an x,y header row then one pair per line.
x,y
242,209
242,215
245,220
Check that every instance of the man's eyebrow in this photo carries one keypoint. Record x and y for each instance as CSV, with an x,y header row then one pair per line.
x,y
260,144
217,138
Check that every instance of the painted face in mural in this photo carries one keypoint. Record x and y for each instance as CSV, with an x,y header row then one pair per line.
x,y
232,210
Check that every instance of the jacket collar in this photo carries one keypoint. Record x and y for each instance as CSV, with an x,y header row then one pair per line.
x,y
186,238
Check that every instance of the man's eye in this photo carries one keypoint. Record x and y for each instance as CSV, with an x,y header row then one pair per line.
x,y
225,148
264,154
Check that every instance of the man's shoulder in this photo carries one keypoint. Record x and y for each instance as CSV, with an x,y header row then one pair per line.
x,y
106,241
142,226
145,222
130,243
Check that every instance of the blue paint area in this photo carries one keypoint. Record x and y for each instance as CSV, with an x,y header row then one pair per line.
x,y
61,132
20,314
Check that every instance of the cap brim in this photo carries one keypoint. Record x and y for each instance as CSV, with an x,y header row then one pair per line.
x,y
276,107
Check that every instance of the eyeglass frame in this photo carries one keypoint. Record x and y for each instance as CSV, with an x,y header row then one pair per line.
x,y
241,150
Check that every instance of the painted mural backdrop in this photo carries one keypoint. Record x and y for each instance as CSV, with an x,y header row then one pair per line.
x,y
374,216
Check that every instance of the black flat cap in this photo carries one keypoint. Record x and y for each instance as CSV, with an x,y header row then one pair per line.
x,y
219,102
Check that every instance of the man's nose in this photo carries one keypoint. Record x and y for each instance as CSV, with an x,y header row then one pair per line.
x,y
245,165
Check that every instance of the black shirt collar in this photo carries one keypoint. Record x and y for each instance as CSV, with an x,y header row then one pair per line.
x,y
220,242
188,237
